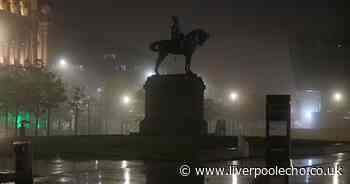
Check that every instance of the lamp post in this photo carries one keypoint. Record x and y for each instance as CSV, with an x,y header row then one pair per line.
x,y
234,98
88,113
126,100
61,67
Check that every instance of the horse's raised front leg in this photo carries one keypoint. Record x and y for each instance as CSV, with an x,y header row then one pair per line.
x,y
161,57
188,64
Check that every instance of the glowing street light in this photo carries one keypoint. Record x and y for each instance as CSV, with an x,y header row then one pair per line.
x,y
63,63
124,164
337,97
308,115
234,96
126,100
99,90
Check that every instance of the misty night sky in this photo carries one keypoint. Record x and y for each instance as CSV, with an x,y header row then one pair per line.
x,y
249,47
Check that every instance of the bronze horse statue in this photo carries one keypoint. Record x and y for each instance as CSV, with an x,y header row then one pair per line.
x,y
187,46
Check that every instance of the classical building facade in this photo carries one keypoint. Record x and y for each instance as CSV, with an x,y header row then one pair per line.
x,y
24,32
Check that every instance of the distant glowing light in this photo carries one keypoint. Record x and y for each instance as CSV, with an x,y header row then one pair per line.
x,y
81,68
63,63
99,90
340,154
233,96
64,180
126,100
308,115
96,164
124,164
309,162
337,97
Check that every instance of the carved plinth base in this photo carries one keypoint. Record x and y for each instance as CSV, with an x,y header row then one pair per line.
x,y
174,106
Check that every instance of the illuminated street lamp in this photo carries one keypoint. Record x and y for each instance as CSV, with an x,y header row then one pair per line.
x,y
234,96
126,100
63,63
308,116
338,97
99,90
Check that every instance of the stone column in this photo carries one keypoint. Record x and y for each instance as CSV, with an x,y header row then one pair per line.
x,y
5,5
14,55
45,45
24,7
18,55
43,41
5,54
2,5
27,51
39,44
34,32
22,55
11,55
1,54
8,55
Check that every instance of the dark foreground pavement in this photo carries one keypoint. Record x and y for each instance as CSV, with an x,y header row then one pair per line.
x,y
104,159
144,172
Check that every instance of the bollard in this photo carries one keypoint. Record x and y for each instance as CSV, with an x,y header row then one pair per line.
x,y
23,162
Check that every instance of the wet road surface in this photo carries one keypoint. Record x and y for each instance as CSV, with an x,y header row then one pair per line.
x,y
140,172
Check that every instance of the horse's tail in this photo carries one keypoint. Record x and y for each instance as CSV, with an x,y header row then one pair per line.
x,y
155,46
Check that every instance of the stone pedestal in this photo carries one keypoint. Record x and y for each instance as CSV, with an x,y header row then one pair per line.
x,y
174,106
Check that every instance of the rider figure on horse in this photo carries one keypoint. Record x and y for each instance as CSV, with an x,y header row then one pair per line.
x,y
176,34
179,44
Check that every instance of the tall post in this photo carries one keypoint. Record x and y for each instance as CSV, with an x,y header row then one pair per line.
x,y
106,126
7,120
88,117
48,121
76,119
1,51
16,119
37,120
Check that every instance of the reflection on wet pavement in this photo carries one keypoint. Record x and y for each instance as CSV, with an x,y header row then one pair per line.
x,y
140,172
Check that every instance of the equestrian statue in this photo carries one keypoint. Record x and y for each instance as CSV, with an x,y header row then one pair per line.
x,y
179,44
